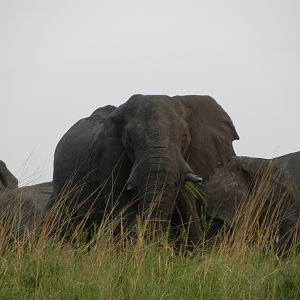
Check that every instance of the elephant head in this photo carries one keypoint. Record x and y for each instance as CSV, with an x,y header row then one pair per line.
x,y
7,179
250,193
152,144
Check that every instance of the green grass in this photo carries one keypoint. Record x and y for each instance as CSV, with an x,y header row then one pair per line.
x,y
149,272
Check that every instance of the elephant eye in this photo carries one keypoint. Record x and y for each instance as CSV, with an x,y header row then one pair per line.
x,y
126,139
129,143
185,142
183,148
183,145
129,148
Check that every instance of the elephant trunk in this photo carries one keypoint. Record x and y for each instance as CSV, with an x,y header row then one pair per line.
x,y
158,200
158,190
158,176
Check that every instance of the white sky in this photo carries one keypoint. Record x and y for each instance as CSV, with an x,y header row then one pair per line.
x,y
60,60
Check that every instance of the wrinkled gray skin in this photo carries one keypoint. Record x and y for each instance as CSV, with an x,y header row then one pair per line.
x,y
234,183
291,164
7,179
125,157
22,210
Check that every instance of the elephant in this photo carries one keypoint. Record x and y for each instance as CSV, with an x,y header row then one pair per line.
x,y
7,179
131,162
246,190
22,210
291,164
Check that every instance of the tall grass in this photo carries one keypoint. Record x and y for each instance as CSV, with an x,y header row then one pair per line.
x,y
241,263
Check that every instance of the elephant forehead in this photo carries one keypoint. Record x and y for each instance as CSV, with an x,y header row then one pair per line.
x,y
156,117
139,130
154,104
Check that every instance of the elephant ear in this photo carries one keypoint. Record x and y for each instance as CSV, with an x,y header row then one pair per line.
x,y
212,133
244,181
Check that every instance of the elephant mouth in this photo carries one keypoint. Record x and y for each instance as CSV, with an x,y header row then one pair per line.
x,y
189,177
129,187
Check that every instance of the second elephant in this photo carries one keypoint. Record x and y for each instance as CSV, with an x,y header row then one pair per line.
x,y
254,191
22,210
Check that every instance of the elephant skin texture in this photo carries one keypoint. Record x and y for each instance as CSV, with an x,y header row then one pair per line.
x,y
133,160
22,210
291,163
248,188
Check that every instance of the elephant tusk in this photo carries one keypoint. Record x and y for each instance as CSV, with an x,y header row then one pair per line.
x,y
193,178
129,187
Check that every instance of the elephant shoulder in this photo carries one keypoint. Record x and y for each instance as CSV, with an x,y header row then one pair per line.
x,y
73,149
291,164
36,196
83,131
86,128
289,160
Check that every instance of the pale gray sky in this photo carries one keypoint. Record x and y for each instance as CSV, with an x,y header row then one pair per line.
x,y
60,60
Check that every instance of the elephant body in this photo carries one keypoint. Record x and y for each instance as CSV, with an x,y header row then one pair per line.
x,y
134,160
22,210
73,150
291,163
247,188
72,176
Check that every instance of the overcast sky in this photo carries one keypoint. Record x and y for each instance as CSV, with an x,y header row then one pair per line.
x,y
60,60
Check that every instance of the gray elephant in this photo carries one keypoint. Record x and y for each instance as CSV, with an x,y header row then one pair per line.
x,y
254,191
291,164
22,210
133,160
7,179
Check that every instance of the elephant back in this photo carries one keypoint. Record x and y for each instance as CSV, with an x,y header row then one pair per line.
x,y
73,151
23,209
291,163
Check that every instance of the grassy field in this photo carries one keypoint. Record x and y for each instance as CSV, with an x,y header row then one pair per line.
x,y
47,270
241,265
